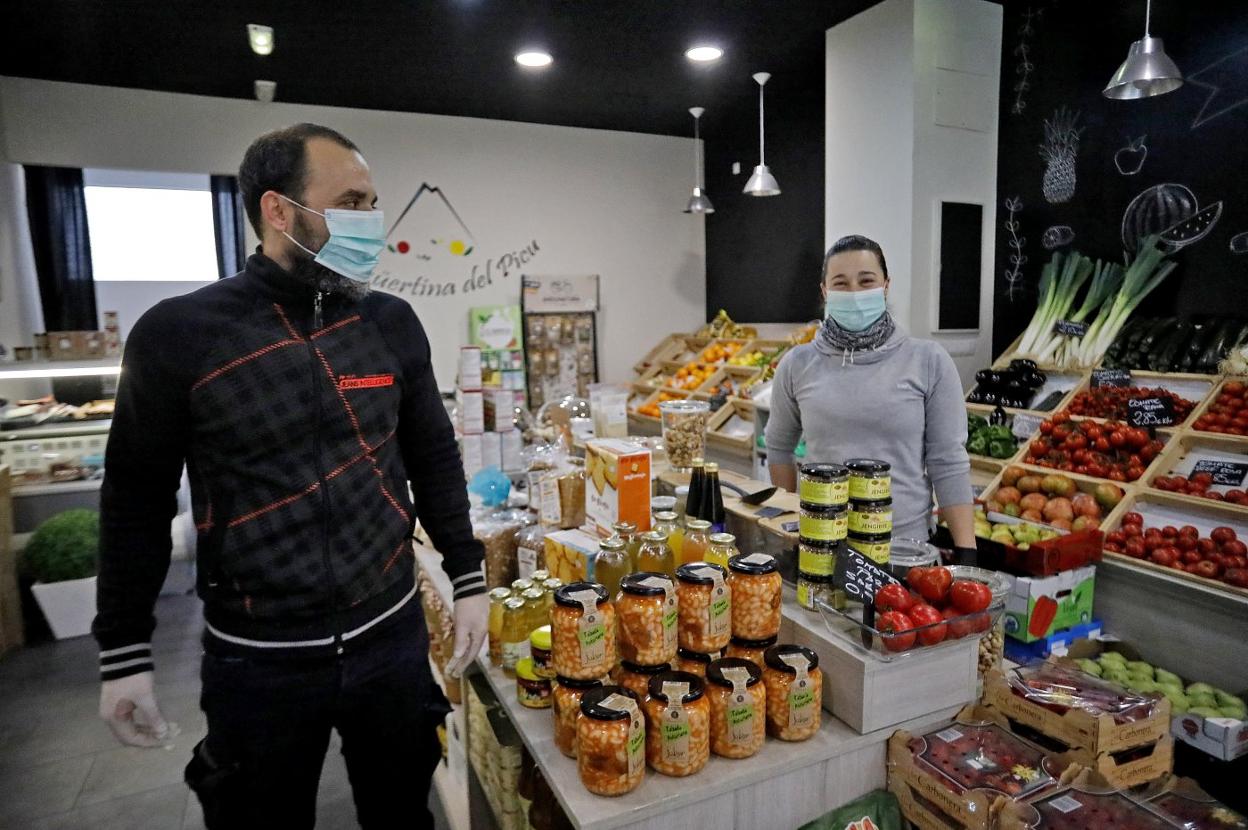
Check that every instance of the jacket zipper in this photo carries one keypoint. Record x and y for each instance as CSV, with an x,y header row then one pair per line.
x,y
320,474
316,313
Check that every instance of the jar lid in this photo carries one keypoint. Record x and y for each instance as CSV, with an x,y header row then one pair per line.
x,y
500,594
540,575
591,703
634,584
570,683
825,472
525,671
514,602
612,543
540,638
712,466
829,546
753,563
698,573
698,461
822,510
665,516
715,672
655,686
682,490
553,584
654,536
696,656
870,538
519,585
638,668
533,593
628,527
857,504
697,524
723,539
772,657
685,406
818,579
564,595
868,466
765,643
912,552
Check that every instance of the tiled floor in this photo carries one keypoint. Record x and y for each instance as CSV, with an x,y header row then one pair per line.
x,y
61,768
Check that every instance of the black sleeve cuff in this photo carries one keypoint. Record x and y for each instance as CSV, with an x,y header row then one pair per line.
x,y
116,663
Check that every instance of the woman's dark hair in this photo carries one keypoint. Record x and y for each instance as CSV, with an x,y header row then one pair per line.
x,y
854,242
277,161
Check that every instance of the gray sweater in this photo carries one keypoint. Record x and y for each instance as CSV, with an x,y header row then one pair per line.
x,y
901,403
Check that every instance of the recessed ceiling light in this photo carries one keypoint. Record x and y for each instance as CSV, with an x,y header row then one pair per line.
x,y
702,54
534,60
261,38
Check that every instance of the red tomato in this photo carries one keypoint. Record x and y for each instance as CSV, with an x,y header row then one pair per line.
x,y
969,596
1117,439
1163,556
934,586
1206,546
914,576
893,597
958,625
1134,548
980,622
1132,518
1222,535
923,615
1207,569
900,626
1234,548
1190,557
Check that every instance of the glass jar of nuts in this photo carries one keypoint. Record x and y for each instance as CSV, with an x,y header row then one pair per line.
x,y
684,431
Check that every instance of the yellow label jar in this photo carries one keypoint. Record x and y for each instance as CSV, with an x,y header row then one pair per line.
x,y
817,559
823,485
871,518
875,548
539,652
532,691
823,524
869,479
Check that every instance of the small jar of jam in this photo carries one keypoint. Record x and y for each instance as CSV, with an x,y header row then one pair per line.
x,y
531,690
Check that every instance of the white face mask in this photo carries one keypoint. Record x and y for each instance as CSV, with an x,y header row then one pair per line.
x,y
356,238
855,310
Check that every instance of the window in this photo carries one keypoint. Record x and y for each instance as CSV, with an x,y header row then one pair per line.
x,y
150,226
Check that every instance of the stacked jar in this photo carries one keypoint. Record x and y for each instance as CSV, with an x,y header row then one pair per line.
x,y
610,741
704,603
870,508
583,638
823,525
794,692
678,715
738,700
566,696
754,580
647,609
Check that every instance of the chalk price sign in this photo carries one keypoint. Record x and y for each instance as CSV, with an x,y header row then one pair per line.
x,y
1227,473
1111,377
858,576
1150,412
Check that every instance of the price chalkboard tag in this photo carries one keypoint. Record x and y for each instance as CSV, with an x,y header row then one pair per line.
x,y
1150,412
1111,377
1025,426
1070,328
1227,473
858,576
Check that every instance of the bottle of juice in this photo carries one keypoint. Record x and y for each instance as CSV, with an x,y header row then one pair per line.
x,y
611,565
723,547
655,555
628,532
696,542
665,522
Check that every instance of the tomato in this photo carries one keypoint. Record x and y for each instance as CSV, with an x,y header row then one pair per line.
x,y
1102,444
1234,548
924,615
893,597
1222,535
898,625
1135,548
1117,439
934,586
1190,557
958,625
1038,448
1185,543
1076,442
1207,569
1233,387
1137,437
915,575
1204,478
1163,556
969,596
1046,427
1132,531
1132,518
1116,537
1170,531
1060,417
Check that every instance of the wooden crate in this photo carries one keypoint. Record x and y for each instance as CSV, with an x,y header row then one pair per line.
x,y
1209,401
739,408
737,375
1195,388
1189,447
666,348
12,629
656,396
1078,379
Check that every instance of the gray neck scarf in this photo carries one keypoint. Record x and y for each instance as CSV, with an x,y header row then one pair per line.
x,y
872,337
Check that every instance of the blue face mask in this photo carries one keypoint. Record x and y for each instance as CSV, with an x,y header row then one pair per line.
x,y
356,237
855,310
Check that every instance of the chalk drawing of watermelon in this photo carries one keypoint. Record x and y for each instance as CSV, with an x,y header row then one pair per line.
x,y
1171,211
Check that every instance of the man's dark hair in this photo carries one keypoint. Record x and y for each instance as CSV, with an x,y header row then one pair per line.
x,y
277,161
854,242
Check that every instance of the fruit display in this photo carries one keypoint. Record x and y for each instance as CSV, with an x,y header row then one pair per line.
x,y
1075,809
722,326
936,607
1110,450
756,357
1175,344
992,440
1021,535
716,353
967,756
1111,401
1200,484
1014,386
651,409
1217,554
1139,676
1060,688
1056,500
1228,412
1196,813
690,376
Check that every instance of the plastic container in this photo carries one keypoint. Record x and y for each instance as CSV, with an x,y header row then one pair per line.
x,y
531,690
811,588
794,692
823,485
612,564
754,579
565,697
869,479
823,524
704,603
497,597
539,652
610,741
723,547
694,662
582,631
514,634
871,518
647,613
752,650
696,546
684,431
738,700
905,554
678,716
971,755
654,555
636,677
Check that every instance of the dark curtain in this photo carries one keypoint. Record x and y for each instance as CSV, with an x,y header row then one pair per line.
x,y
227,218
58,233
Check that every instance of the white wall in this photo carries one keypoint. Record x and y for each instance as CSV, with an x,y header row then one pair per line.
x,y
594,201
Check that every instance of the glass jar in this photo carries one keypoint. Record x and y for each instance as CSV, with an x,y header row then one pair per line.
x,y
582,631
647,611
738,707
539,652
655,556
632,542
723,547
684,431
869,479
665,523
550,586
678,722
811,588
565,697
817,558
697,542
754,579
704,603
514,634
531,690
794,692
871,518
497,597
610,741
535,607
682,498
823,485
519,586
752,650
992,647
905,554
694,662
663,504
531,552
876,548
612,564
636,677
823,524
539,576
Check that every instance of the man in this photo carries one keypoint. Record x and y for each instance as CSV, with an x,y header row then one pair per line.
x,y
302,406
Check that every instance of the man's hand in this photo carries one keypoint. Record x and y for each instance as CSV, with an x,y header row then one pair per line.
x,y
471,628
128,706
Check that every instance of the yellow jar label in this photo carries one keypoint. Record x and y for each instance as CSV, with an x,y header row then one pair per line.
x,y
871,523
870,489
823,529
804,598
875,551
823,492
815,561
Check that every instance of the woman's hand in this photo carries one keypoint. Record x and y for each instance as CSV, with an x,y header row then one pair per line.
x,y
961,521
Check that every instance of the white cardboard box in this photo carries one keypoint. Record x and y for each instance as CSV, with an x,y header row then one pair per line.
x,y
469,367
502,402
471,412
491,450
470,448
513,443
1223,738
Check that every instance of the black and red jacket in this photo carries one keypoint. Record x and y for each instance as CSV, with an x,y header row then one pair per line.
x,y
300,438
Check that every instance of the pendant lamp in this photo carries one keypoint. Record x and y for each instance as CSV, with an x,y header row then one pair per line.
x,y
698,203
761,182
1147,71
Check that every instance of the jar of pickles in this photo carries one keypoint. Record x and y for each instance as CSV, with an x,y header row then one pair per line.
x,y
823,525
705,607
871,518
647,611
754,579
823,485
723,547
794,692
752,650
738,707
628,532
565,698
612,564
678,716
532,690
697,542
817,558
869,479
694,662
539,652
636,677
514,635
813,588
610,741
497,597
654,555
582,631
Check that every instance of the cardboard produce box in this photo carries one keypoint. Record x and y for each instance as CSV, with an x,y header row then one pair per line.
x,y
1086,801
1038,606
1185,803
617,485
1128,768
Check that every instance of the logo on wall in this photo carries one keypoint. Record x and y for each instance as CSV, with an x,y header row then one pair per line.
x,y
437,220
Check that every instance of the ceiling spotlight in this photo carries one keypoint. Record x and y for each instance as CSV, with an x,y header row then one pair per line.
x,y
534,60
265,90
702,54
261,38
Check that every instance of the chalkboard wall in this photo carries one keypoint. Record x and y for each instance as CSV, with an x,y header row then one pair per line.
x,y
1191,144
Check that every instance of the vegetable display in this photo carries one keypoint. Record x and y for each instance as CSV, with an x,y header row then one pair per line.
x,y
1140,676
936,608
1054,500
1229,411
1110,450
992,440
1014,387
1020,535
1221,555
1176,344
1200,484
1111,402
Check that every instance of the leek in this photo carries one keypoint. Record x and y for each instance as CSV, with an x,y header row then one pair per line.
x,y
1059,287
1063,349
1143,275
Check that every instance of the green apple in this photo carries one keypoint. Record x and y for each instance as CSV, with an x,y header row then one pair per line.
x,y
1233,712
1204,711
1202,700
1226,699
1199,688
1141,685
1178,700
1140,667
1163,676
1113,657
1090,666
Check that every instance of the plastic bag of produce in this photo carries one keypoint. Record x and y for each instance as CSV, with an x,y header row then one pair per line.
x,y
874,810
1062,687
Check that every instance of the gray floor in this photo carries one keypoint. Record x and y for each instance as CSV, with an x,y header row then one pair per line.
x,y
61,768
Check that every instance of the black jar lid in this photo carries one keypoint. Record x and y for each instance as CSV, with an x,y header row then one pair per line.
x,y
573,683
638,668
634,583
772,657
715,672
867,504
698,573
695,656
591,703
822,511
563,596
821,579
870,538
825,472
753,563
695,685
868,466
828,546
765,643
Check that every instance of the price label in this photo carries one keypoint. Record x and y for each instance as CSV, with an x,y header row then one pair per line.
x,y
1228,473
859,577
1150,412
1111,377
1071,328
1025,426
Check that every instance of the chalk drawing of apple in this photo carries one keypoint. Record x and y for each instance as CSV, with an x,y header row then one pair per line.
x,y
1130,159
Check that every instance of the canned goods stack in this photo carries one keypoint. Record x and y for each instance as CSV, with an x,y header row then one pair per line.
x,y
870,508
823,526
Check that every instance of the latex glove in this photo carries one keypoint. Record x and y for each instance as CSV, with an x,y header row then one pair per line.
x,y
472,617
128,706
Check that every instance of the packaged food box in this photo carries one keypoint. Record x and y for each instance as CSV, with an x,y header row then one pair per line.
x,y
512,446
1058,643
471,412
617,486
1224,738
1086,804
1038,606
470,447
570,555
491,450
1183,802
469,367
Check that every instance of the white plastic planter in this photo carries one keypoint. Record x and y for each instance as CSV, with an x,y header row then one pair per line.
x,y
68,606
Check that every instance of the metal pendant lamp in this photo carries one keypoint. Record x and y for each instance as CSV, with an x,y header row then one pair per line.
x,y
698,203
1147,71
761,182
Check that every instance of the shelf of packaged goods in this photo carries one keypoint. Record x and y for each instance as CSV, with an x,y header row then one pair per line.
x,y
63,429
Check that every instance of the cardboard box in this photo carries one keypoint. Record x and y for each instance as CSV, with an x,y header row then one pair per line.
x,y
570,555
512,445
1184,793
1057,643
470,448
1038,606
1222,738
491,450
469,367
500,405
617,486
1128,768
471,413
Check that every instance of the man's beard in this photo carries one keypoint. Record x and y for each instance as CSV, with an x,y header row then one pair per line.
x,y
306,270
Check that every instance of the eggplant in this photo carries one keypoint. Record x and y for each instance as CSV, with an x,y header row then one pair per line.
x,y
1167,351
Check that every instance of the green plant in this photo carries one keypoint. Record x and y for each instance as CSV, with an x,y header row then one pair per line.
x,y
64,547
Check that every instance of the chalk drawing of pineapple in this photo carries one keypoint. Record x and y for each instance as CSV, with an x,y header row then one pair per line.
x,y
1061,145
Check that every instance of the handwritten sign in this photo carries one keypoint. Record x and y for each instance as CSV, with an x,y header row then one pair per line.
x,y
1150,412
1111,377
1070,328
1228,473
1025,426
858,576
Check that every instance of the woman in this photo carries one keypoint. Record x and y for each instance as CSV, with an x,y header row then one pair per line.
x,y
863,388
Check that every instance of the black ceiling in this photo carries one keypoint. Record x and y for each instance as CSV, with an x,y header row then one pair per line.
x,y
618,64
